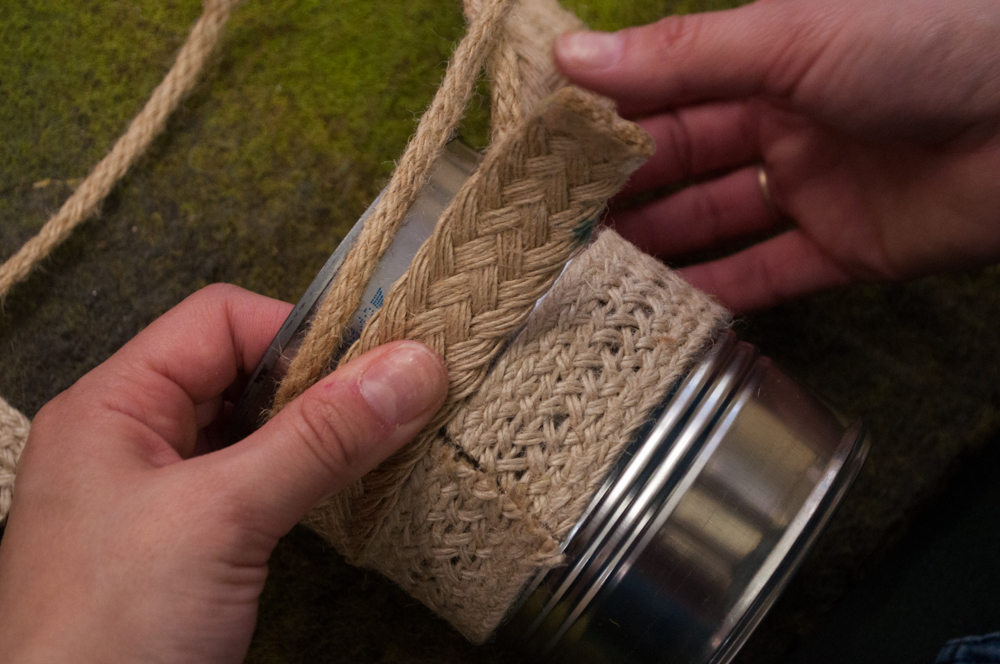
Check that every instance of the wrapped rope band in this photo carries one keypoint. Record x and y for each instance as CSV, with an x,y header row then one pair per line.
x,y
495,494
462,520
497,249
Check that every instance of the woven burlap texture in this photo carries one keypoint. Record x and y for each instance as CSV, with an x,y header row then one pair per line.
x,y
502,485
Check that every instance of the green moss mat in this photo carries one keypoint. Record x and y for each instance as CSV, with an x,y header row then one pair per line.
x,y
268,164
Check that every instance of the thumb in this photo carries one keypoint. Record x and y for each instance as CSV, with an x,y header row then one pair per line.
x,y
679,60
334,433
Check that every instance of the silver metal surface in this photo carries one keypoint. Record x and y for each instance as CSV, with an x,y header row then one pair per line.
x,y
449,173
692,538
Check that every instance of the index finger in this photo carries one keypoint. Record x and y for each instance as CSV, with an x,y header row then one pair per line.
x,y
202,344
185,359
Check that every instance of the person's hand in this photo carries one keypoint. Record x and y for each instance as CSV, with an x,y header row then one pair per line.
x,y
878,124
127,544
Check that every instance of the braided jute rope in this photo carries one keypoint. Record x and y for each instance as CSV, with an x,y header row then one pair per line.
x,y
145,127
84,201
435,129
517,37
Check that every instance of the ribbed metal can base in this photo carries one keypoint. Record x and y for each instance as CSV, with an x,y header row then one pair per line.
x,y
694,535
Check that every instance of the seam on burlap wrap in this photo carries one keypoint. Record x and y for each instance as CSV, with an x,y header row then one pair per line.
x,y
499,488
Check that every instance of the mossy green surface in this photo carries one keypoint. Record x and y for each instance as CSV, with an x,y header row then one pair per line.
x,y
292,131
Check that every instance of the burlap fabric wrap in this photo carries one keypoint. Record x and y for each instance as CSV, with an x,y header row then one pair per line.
x,y
500,487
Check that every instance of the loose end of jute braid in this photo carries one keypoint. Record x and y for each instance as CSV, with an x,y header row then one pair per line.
x,y
497,249
435,129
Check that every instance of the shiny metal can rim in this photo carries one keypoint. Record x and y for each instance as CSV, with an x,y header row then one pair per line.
x,y
639,500
789,554
665,458
619,491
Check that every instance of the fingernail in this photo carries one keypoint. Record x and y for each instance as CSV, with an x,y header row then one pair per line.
x,y
404,383
590,50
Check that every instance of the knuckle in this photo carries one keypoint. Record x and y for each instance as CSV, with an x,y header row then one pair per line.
x,y
47,427
211,297
233,525
672,34
669,42
770,281
682,146
331,436
214,292
708,212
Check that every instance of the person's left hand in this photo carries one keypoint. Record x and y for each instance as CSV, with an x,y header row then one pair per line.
x,y
131,540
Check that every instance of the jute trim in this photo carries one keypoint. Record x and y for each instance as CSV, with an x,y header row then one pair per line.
x,y
498,489
435,129
513,38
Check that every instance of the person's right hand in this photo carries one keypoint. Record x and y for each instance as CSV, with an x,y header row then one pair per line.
x,y
878,123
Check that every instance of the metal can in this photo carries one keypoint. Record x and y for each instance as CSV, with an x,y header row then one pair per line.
x,y
695,533
692,538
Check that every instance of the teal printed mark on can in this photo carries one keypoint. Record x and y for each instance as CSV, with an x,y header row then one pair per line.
x,y
374,304
583,230
361,318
